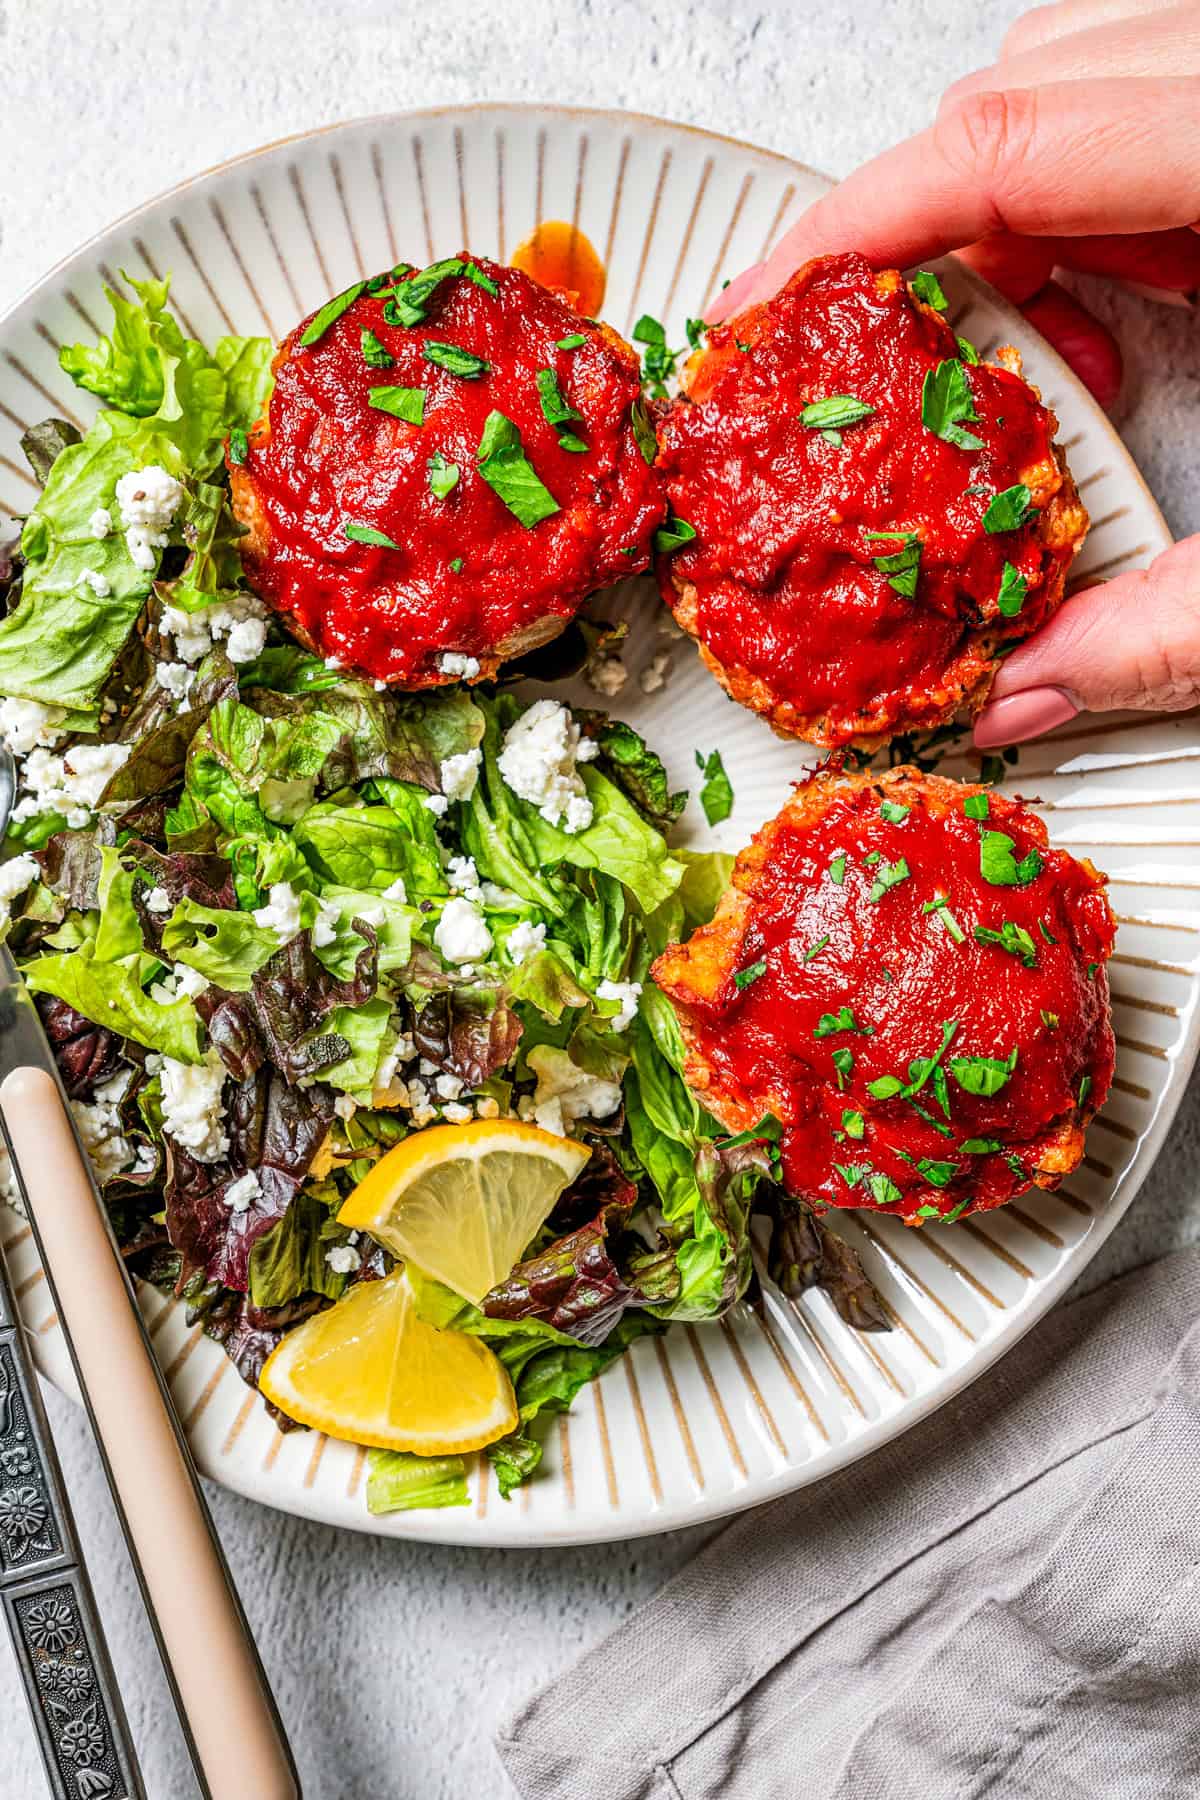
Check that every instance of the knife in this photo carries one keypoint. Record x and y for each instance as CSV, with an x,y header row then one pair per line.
x,y
230,1720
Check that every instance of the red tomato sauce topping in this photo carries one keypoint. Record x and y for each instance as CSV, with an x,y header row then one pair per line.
x,y
462,568
783,564
921,1031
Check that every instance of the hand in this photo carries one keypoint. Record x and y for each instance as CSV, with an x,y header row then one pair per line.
x,y
1079,149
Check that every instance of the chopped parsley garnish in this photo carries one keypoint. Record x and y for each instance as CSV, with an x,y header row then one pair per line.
x,y
835,412
1008,510
871,858
842,1020
938,1174
455,565
643,432
716,789
1049,1019
367,534
893,812
1013,591
959,1210
411,297
816,948
976,806
455,360
903,566
405,403
1000,867
1085,1088
510,474
928,1212
980,1146
744,977
443,476
843,1062
658,363
853,1123
238,445
1012,938
558,411
474,273
1048,934
332,310
946,401
673,535
1091,970
925,1068
852,1173
926,286
837,869
885,1087
967,351
940,904
375,354
697,331
576,341
983,1075
941,1093
884,1191
890,875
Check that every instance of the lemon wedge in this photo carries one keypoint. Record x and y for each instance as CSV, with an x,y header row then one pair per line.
x,y
369,1370
461,1202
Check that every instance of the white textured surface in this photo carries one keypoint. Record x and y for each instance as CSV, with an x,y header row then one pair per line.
x,y
393,1661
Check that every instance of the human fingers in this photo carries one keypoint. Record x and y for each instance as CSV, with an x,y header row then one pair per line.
x,y
1071,159
1133,642
1167,43
1046,24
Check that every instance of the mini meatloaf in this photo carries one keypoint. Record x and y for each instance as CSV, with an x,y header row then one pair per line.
x,y
913,984
875,511
450,462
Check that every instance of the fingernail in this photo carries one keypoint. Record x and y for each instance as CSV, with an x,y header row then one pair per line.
x,y
731,297
1020,716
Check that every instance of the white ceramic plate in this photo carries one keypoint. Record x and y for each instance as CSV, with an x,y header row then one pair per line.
x,y
709,1419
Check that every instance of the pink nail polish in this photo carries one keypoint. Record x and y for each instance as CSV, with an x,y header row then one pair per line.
x,y
1020,716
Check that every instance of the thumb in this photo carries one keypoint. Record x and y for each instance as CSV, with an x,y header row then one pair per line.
x,y
1134,642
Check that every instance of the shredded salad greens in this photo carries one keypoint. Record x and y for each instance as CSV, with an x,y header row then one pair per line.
x,y
276,919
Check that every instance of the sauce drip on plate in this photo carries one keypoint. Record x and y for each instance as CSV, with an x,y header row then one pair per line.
x,y
559,255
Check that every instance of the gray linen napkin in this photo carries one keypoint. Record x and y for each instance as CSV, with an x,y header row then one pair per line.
x,y
1004,1602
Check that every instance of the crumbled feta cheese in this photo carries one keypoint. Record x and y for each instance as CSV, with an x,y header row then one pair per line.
x,y
241,1194
588,751
27,725
460,773
380,687
607,675
333,664
487,1108
423,1114
71,784
282,913
345,1106
158,900
448,1087
456,1114
451,663
154,1062
10,1191
437,804
396,890
627,993
99,584
196,633
148,497
189,982
426,1066
114,1090
565,1092
191,1103
463,877
100,523
501,898
177,678
246,640
538,761
108,1150
654,675
461,934
324,929
19,873
666,627
525,940
343,1259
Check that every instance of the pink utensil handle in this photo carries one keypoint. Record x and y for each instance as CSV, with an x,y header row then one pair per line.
x,y
224,1699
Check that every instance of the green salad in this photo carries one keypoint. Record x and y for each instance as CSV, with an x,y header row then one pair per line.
x,y
276,919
